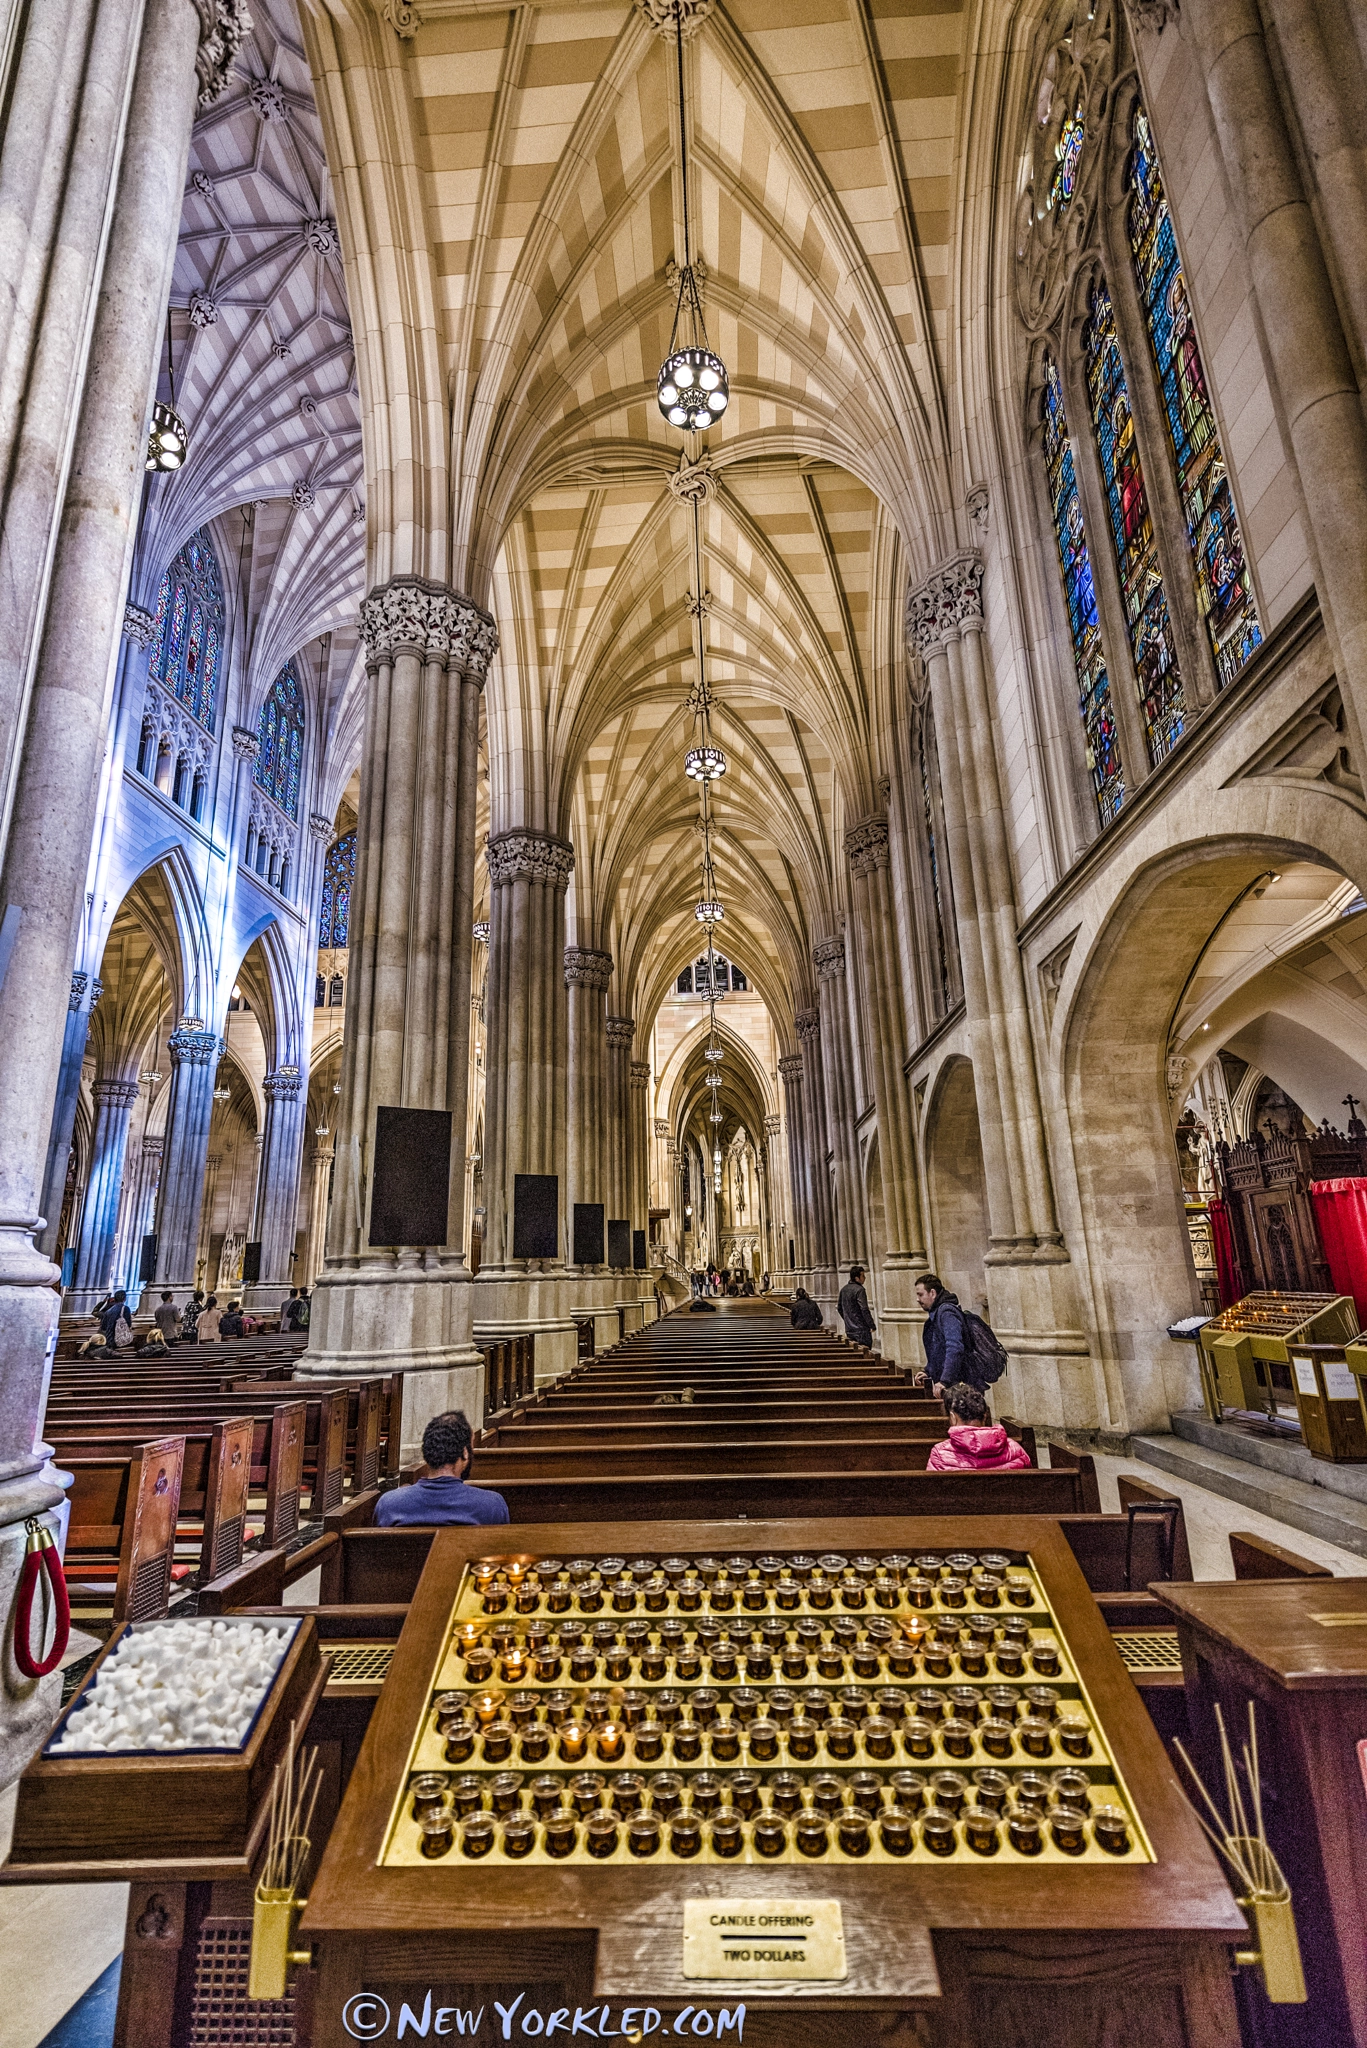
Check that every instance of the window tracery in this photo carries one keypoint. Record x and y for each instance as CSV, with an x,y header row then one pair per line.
x,y
188,641
1224,589
280,731
1068,152
339,876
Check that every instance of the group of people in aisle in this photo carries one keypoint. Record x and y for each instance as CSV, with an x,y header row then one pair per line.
x,y
735,1283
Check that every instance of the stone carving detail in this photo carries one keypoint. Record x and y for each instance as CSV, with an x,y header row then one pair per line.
x,y
1312,746
203,310
1153,14
412,616
537,854
947,602
694,482
1052,969
661,1127
1078,69
268,100
167,727
246,745
223,24
139,626
640,1073
203,184
115,1094
193,1048
320,235
152,1148
772,1126
828,956
79,983
585,968
1178,1076
302,496
866,845
663,16
402,17
621,1031
320,827
979,506
790,1066
808,1025
283,1085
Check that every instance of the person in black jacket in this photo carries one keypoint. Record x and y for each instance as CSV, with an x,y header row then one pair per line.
x,y
854,1309
805,1314
945,1335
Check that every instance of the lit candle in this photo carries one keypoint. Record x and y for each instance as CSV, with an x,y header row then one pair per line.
x,y
487,1706
513,1667
610,1742
574,1741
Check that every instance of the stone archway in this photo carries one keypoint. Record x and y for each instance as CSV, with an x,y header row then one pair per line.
x,y
956,1187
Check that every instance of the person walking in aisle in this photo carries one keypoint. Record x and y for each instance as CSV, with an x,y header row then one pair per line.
x,y
854,1309
945,1335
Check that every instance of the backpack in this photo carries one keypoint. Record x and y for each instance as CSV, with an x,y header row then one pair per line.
x,y
983,1353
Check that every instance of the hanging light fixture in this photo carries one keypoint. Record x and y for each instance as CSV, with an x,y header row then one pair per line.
x,y
692,388
168,441
708,912
714,1052
714,1080
706,763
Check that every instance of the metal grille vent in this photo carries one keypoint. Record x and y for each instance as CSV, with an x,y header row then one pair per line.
x,y
286,1515
1152,1649
222,2015
357,1663
228,1546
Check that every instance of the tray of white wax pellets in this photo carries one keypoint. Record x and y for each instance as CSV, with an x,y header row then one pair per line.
x,y
191,1685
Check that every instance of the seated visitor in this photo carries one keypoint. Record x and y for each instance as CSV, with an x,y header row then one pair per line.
x,y
975,1442
805,1314
231,1322
442,1495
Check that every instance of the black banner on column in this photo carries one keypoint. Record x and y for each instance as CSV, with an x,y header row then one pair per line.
x,y
619,1241
638,1251
410,1188
588,1233
536,1215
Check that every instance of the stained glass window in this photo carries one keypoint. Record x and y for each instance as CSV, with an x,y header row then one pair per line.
x,y
1094,684
280,730
1069,152
1224,590
189,633
1141,580
339,873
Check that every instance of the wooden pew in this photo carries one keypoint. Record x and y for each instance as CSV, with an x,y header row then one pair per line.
x,y
1255,1558
123,1528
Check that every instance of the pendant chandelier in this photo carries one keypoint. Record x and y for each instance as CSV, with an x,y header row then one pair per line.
x,y
692,388
168,441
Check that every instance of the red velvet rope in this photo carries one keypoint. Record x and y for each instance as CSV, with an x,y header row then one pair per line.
x,y
47,1558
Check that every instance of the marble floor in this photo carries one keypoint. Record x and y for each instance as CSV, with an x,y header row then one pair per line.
x,y
56,1941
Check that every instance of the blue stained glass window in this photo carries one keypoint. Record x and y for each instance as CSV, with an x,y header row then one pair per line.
x,y
188,644
1069,152
339,874
1094,684
1141,580
1224,589
280,731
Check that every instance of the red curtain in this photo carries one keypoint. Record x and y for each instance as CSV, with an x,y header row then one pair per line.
x,y
1341,1213
1227,1272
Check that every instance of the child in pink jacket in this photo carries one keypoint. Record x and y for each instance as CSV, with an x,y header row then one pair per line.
x,y
975,1443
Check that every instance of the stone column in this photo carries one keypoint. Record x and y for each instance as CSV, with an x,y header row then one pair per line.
x,y
144,1205
638,1176
790,1070
213,1166
866,844
407,1308
1312,362
816,1149
837,1067
526,1026
99,1219
1031,1284
620,1033
85,993
195,1054
277,1194
320,1168
587,974
776,1183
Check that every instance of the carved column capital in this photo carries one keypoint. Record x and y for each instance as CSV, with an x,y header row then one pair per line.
x,y
522,852
585,968
79,984
790,1066
152,1148
283,1085
661,1127
640,1073
246,745
115,1094
828,957
320,827
948,604
409,615
191,1047
808,1025
621,1030
866,845
664,16
772,1126
139,626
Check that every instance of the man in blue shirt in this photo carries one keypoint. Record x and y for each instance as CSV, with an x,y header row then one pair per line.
x,y
443,1495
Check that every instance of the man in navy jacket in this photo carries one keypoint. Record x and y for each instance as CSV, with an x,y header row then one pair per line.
x,y
945,1334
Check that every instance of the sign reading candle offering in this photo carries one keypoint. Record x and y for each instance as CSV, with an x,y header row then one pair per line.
x,y
767,1939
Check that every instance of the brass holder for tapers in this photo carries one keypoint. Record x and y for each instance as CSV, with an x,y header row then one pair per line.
x,y
1263,1892
279,1902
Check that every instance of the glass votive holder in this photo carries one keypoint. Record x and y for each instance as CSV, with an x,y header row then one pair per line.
x,y
988,1590
601,1834
1025,1831
918,1738
744,1793
890,1703
513,1668
865,1790
574,1741
920,1593
759,1663
1032,1789
785,1793
1020,1589
627,1793
953,1592
902,1658
781,1706
956,1738
879,1738
436,1833
610,1741
811,1834
1074,1736
787,1594
685,1835
1035,1737
973,1660
936,1660
938,1833
706,1706
1002,1702
560,1834
666,1790
769,1834
487,1706
497,1745
518,1837
1068,1830
688,1596
762,1740
631,1709
1111,1830
803,1737
982,1831
583,1665
685,1744
616,1664
1045,1659
522,1709
896,1831
648,1742
722,1598
830,1661
966,1703
467,1794
461,1737
852,1832
669,1707
828,1793
841,1739
949,1791
655,1595
991,1789
534,1745
928,1705
820,1592
854,1594
1042,1702
815,1705
557,1707
853,1703
727,1833
1009,1660
448,1707
429,1794
643,1833
505,1794
478,1836
586,1791
908,1790
997,1737
745,1703
724,1741
545,1796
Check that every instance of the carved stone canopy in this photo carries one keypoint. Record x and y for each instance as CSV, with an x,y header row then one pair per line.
x,y
828,956
621,1030
537,854
412,616
947,604
790,1066
585,968
866,845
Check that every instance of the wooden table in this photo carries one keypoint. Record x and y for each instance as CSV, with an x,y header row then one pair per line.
x,y
1298,1649
1135,1955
